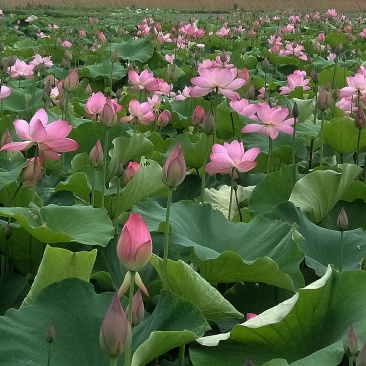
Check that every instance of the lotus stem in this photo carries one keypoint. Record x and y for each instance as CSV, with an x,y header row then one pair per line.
x,y
128,354
322,140
341,253
203,181
182,350
113,361
166,239
105,152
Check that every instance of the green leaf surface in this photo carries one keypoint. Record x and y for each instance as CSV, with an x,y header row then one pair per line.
x,y
105,69
54,224
307,329
134,49
317,193
58,264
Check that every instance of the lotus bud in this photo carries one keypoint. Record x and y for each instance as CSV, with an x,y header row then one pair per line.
x,y
295,110
89,89
323,99
26,175
108,116
265,64
96,155
134,247
174,169
164,118
335,94
50,334
360,118
138,310
8,231
208,124
251,315
114,56
198,115
249,362
314,76
350,345
62,100
115,332
223,56
6,138
342,221
130,172
71,81
11,60
251,92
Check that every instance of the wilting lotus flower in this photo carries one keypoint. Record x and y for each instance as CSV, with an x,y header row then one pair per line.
x,y
49,137
26,175
231,158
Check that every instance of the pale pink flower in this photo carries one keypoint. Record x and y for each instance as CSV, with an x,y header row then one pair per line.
x,y
170,58
39,60
143,112
5,91
223,32
231,159
244,108
273,119
362,34
144,81
295,80
356,84
185,93
21,68
95,104
66,44
50,138
222,80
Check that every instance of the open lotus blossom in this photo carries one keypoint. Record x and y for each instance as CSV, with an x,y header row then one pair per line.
x,y
95,104
21,68
39,60
273,119
356,84
5,91
144,81
231,158
295,80
223,80
143,112
49,137
244,108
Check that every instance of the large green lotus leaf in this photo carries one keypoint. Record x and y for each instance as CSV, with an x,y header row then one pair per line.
x,y
175,321
186,282
317,193
320,245
104,69
127,149
146,182
184,108
76,313
357,190
134,49
16,101
13,289
225,121
306,110
335,38
76,183
54,224
205,230
302,330
57,265
342,135
275,188
171,73
9,176
326,75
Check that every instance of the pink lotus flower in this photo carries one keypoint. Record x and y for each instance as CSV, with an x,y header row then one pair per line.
x,y
131,171
21,68
4,91
143,112
273,119
95,104
356,83
26,175
244,108
96,155
231,159
134,247
223,80
293,81
144,81
39,60
50,138
138,310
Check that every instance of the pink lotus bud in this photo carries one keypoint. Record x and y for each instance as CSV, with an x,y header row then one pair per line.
x,y
50,333
198,115
71,81
164,118
138,310
251,315
26,176
350,345
6,138
96,155
265,64
342,221
361,359
323,102
134,247
89,89
114,56
108,116
251,92
208,124
82,33
115,332
360,118
295,110
314,76
130,172
174,169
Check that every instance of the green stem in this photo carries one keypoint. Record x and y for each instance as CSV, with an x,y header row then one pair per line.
x,y
350,360
203,181
30,246
93,187
117,208
341,253
182,349
166,239
113,361
238,205
293,151
269,159
231,194
232,123
105,152
49,354
34,178
322,140
358,144
216,102
128,354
